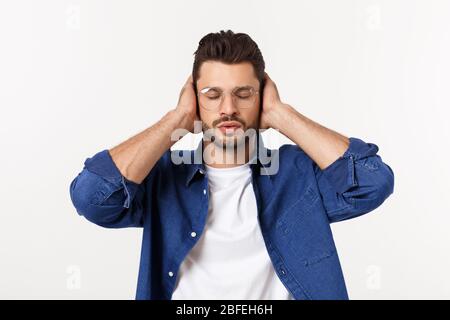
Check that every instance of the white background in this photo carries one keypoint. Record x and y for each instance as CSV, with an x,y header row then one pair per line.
x,y
77,77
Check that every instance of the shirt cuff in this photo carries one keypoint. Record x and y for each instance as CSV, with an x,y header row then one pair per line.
x,y
103,165
341,173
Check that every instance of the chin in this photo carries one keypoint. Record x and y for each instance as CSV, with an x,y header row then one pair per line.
x,y
230,141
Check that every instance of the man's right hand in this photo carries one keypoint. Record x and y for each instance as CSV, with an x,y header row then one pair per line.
x,y
136,156
187,105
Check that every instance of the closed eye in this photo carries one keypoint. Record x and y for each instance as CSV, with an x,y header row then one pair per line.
x,y
211,93
243,93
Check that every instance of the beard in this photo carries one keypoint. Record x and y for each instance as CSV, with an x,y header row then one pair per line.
x,y
234,146
225,141
229,140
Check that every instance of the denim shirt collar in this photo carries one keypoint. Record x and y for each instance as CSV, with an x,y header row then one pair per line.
x,y
197,165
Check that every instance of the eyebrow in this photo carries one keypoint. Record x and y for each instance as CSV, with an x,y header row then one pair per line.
x,y
205,89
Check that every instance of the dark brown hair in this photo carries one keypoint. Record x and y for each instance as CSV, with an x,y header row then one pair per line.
x,y
228,47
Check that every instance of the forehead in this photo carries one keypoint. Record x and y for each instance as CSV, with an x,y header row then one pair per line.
x,y
226,76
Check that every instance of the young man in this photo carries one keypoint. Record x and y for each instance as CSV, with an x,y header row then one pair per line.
x,y
232,219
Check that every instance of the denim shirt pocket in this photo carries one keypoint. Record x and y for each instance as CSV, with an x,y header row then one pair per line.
x,y
306,231
297,210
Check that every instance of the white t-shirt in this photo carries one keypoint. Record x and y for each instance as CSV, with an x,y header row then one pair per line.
x,y
230,260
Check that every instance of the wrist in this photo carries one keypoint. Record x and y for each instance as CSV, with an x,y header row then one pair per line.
x,y
181,119
278,115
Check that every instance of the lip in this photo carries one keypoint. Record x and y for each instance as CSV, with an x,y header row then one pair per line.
x,y
229,127
230,124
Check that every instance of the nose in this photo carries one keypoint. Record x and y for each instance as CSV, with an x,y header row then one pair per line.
x,y
228,107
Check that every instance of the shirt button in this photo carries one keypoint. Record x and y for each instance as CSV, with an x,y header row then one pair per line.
x,y
170,274
193,234
201,171
204,191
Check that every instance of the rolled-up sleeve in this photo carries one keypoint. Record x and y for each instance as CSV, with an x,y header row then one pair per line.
x,y
356,183
103,196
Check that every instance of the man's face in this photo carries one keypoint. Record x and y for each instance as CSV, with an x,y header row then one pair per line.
x,y
231,80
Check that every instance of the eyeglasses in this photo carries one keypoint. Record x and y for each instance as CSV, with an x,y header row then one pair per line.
x,y
210,98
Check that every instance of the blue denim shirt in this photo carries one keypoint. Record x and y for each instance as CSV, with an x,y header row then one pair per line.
x,y
295,208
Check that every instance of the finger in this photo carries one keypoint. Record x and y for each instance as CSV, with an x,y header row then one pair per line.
x,y
268,79
189,80
181,94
